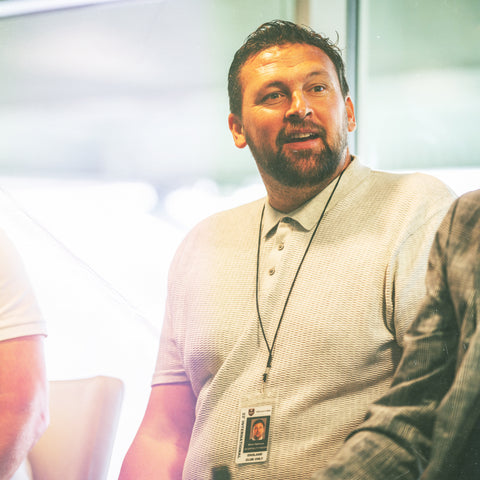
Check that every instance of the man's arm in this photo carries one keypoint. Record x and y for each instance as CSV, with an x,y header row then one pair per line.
x,y
160,446
23,400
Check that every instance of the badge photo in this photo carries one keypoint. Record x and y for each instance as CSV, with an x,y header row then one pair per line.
x,y
253,434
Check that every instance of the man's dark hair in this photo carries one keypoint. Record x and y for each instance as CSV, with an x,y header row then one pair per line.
x,y
279,32
259,421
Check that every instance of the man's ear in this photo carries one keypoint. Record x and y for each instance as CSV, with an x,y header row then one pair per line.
x,y
352,123
236,127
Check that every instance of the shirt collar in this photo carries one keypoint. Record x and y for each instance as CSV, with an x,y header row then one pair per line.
x,y
307,215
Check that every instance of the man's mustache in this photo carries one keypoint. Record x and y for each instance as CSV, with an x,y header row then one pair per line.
x,y
292,132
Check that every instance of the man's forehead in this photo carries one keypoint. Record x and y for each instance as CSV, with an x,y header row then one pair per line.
x,y
285,50
289,55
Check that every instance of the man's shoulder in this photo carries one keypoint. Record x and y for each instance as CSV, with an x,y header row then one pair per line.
x,y
218,235
397,188
224,225
411,191
403,201
414,184
239,217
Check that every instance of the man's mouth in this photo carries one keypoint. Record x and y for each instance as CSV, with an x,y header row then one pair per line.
x,y
300,137
301,140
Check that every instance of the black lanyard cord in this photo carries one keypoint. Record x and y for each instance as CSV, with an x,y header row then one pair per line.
x,y
270,349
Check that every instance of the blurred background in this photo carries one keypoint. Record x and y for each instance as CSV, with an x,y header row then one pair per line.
x,y
114,142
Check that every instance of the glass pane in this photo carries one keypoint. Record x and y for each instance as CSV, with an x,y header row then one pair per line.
x,y
419,80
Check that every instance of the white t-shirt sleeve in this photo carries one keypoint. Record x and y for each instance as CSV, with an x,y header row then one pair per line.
x,y
19,312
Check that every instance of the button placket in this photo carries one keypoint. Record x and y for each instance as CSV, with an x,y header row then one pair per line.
x,y
275,257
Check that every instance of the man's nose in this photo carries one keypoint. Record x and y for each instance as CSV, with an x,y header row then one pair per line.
x,y
299,106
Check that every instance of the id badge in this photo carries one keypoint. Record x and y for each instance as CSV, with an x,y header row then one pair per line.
x,y
254,428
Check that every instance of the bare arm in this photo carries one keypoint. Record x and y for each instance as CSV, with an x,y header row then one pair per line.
x,y
160,446
23,400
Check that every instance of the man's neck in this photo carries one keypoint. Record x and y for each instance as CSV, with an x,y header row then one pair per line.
x,y
286,199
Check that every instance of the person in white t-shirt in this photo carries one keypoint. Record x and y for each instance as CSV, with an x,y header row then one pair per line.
x,y
23,384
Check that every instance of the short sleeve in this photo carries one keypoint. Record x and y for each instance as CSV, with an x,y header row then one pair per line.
x,y
169,367
19,312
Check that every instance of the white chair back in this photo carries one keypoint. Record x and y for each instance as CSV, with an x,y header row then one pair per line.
x,y
78,443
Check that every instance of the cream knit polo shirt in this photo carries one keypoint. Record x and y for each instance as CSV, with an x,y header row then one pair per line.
x,y
340,339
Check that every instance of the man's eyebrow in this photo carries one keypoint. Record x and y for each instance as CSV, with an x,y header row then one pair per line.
x,y
279,84
275,84
319,73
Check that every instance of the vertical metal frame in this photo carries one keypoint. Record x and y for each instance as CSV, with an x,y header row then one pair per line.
x,y
353,38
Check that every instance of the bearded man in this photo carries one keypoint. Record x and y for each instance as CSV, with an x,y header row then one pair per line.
x,y
291,308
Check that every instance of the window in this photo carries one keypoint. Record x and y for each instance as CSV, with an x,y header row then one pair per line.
x,y
419,85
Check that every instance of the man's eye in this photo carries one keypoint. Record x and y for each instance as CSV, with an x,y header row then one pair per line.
x,y
318,89
273,98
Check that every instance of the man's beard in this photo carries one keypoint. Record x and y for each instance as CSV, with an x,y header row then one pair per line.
x,y
303,168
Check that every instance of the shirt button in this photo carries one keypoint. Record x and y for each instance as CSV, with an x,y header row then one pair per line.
x,y
271,271
280,247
